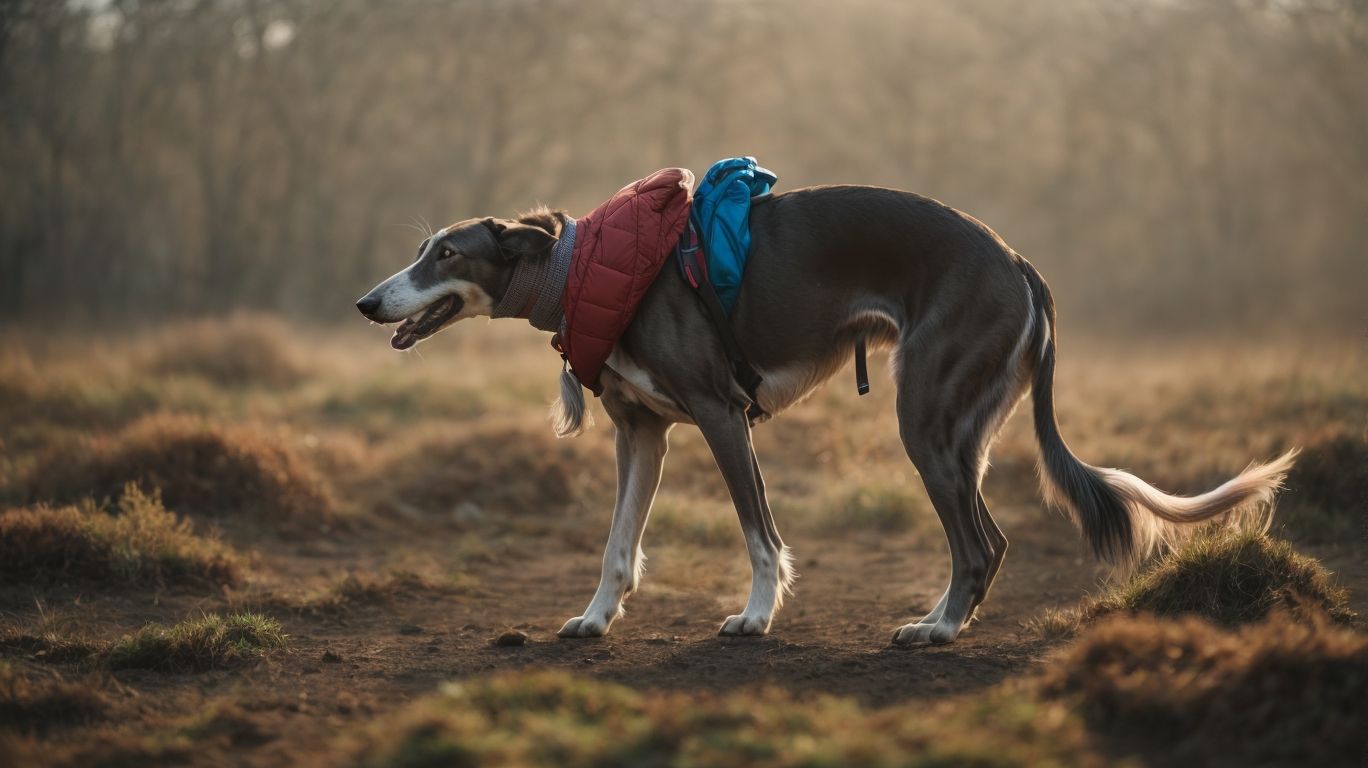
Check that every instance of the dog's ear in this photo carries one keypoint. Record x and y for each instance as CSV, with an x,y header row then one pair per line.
x,y
517,239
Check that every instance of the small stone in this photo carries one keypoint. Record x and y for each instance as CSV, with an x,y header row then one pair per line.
x,y
511,638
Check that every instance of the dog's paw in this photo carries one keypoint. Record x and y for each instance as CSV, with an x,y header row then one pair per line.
x,y
923,633
581,626
744,626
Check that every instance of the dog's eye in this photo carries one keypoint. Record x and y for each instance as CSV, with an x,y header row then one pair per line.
x,y
447,253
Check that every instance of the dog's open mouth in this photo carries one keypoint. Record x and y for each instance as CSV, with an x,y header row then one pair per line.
x,y
427,322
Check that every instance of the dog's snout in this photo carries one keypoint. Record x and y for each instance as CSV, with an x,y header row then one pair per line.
x,y
369,305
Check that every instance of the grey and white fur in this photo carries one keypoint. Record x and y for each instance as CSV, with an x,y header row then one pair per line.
x,y
972,329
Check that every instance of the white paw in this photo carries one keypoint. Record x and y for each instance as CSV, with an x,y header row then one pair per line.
x,y
743,625
581,626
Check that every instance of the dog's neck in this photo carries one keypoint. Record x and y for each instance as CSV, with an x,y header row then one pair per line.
x,y
537,285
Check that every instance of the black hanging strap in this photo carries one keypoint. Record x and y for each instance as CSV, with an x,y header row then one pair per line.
x,y
861,369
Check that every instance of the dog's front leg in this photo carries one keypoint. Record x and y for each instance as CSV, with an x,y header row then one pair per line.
x,y
729,437
641,444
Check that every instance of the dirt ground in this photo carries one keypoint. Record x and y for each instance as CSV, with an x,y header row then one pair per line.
x,y
343,672
346,667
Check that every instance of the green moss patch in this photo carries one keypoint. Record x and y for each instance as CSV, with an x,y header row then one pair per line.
x,y
198,644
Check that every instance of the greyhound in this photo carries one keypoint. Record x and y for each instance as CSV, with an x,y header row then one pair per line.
x,y
971,325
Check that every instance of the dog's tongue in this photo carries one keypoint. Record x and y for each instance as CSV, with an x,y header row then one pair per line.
x,y
403,335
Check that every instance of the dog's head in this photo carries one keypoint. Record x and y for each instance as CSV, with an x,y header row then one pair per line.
x,y
461,271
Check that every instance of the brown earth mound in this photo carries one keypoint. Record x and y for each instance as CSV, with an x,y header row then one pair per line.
x,y
1231,578
200,468
1279,692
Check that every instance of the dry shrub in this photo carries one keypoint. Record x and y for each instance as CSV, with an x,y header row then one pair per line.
x,y
236,351
143,544
29,702
1279,692
42,407
505,469
1231,577
56,646
1327,491
195,645
200,468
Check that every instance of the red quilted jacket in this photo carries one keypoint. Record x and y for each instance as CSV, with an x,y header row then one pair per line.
x,y
620,248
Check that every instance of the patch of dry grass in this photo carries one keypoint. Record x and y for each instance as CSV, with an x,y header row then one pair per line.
x,y
497,469
1231,577
142,543
699,522
207,642
1278,692
1327,491
873,507
201,468
44,408
237,351
1228,576
31,702
555,718
361,590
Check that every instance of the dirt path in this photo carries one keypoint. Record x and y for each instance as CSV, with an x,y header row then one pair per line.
x,y
831,637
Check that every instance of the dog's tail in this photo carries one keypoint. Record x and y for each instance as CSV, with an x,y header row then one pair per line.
x,y
1123,518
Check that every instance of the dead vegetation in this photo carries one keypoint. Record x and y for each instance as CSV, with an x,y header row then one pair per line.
x,y
36,702
140,543
557,718
360,591
201,468
1327,492
1277,692
485,472
1229,577
238,351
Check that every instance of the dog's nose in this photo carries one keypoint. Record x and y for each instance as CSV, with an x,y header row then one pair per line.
x,y
368,305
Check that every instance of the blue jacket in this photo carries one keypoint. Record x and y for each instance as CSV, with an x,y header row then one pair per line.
x,y
721,215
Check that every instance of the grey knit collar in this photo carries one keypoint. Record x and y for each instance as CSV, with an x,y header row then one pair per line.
x,y
535,290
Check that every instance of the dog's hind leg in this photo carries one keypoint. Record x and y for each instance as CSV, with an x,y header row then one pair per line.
x,y
996,539
997,542
641,444
728,435
949,405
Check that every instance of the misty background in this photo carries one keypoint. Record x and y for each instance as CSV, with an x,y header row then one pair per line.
x,y
1168,165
